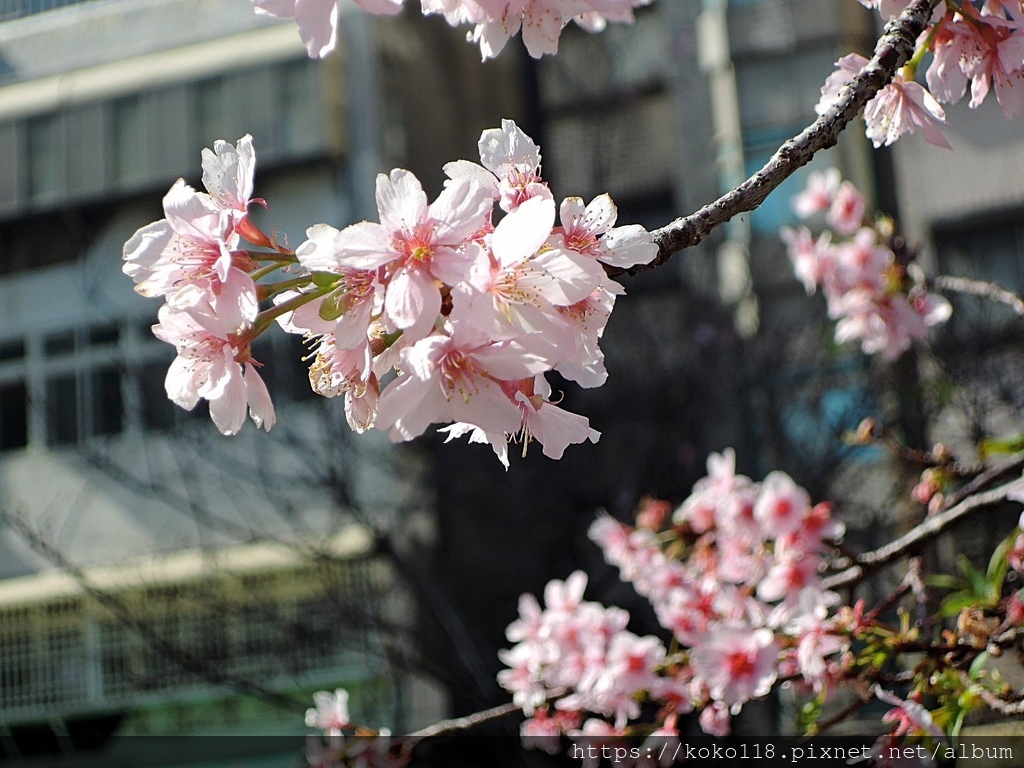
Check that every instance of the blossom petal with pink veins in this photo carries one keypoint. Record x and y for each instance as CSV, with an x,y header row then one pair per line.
x,y
413,302
487,407
461,210
318,25
422,358
514,360
564,277
502,148
409,405
304,319
227,408
190,213
261,408
228,172
521,233
364,245
556,428
499,443
464,169
455,265
628,246
180,386
401,201
144,250
318,253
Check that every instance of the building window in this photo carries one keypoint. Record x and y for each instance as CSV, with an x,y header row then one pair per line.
x,y
14,400
298,111
128,141
987,251
212,114
45,160
83,389
13,415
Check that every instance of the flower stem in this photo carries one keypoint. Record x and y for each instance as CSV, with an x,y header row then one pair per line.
x,y
267,316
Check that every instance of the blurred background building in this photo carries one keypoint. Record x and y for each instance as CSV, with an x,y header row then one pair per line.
x,y
158,578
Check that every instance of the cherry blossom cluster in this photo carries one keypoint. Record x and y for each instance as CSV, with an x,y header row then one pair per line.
x,y
434,314
193,259
343,744
971,42
493,21
868,290
735,575
735,582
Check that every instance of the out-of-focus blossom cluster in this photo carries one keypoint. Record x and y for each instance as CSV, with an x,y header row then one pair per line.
x,y
434,314
735,581
493,21
971,43
868,291
340,743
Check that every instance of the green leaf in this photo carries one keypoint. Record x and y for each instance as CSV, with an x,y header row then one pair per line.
x,y
996,446
955,603
978,665
997,564
977,582
944,581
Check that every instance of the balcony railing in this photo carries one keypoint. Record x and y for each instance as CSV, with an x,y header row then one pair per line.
x,y
272,620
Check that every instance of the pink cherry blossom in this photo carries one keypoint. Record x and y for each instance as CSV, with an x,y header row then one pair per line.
x,y
900,107
591,231
357,297
819,193
228,175
736,662
509,169
210,366
846,213
813,258
318,19
419,245
187,258
715,720
458,378
781,506
330,714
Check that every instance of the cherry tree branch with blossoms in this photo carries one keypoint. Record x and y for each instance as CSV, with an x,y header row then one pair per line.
x,y
453,311
894,48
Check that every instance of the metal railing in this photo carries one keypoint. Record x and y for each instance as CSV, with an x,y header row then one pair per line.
x,y
70,655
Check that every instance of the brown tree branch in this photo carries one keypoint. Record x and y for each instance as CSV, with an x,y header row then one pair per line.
x,y
463,723
929,529
979,288
893,50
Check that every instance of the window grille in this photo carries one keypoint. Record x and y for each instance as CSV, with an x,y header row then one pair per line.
x,y
73,655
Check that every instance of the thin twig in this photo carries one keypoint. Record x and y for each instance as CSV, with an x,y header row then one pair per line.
x,y
837,718
980,288
921,533
463,723
893,50
1014,464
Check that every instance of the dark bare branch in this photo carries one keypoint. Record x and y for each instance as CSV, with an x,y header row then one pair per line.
x,y
893,50
929,529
